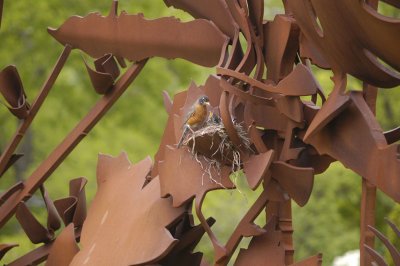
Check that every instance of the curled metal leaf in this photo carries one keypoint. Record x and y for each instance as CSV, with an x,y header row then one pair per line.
x,y
13,92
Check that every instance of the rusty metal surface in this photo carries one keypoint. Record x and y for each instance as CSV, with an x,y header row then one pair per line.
x,y
368,35
394,252
120,194
198,41
64,248
259,121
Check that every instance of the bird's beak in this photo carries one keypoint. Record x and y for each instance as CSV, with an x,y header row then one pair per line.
x,y
208,103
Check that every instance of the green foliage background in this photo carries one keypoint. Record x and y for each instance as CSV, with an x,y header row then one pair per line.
x,y
328,224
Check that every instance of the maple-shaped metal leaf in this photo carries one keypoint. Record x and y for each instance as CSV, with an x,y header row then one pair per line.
x,y
184,178
126,223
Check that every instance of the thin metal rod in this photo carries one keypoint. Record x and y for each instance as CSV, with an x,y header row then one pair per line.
x,y
48,166
368,194
367,237
47,86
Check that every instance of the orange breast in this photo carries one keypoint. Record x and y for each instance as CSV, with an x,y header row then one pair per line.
x,y
198,117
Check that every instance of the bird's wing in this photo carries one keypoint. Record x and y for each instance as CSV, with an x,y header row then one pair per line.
x,y
189,114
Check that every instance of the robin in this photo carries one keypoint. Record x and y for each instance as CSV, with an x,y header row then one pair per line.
x,y
196,117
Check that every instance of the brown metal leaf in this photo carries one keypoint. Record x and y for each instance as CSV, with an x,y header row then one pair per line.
x,y
227,117
167,102
182,102
392,249
66,208
252,56
296,181
182,253
72,209
13,91
214,10
352,45
256,14
309,158
107,64
264,248
336,103
101,81
64,248
347,129
256,167
309,51
395,254
169,138
4,248
394,227
53,219
198,41
376,257
115,231
182,177
36,232
393,135
280,46
245,228
106,73
77,190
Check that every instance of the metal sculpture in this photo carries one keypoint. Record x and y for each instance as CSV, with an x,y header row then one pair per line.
x,y
262,126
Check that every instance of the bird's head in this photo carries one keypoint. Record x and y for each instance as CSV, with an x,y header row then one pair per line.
x,y
203,100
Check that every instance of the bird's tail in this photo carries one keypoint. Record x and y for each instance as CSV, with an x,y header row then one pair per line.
x,y
184,134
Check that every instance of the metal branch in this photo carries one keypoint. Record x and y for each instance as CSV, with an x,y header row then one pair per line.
x,y
48,166
19,134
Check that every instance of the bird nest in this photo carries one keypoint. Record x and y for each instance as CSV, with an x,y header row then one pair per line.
x,y
212,148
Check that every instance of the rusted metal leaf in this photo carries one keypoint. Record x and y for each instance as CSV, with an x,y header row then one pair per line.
x,y
64,248
354,44
4,248
281,43
13,92
121,203
184,178
256,168
36,232
213,10
198,41
264,248
73,208
297,182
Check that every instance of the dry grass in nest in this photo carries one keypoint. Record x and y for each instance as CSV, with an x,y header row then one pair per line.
x,y
221,150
